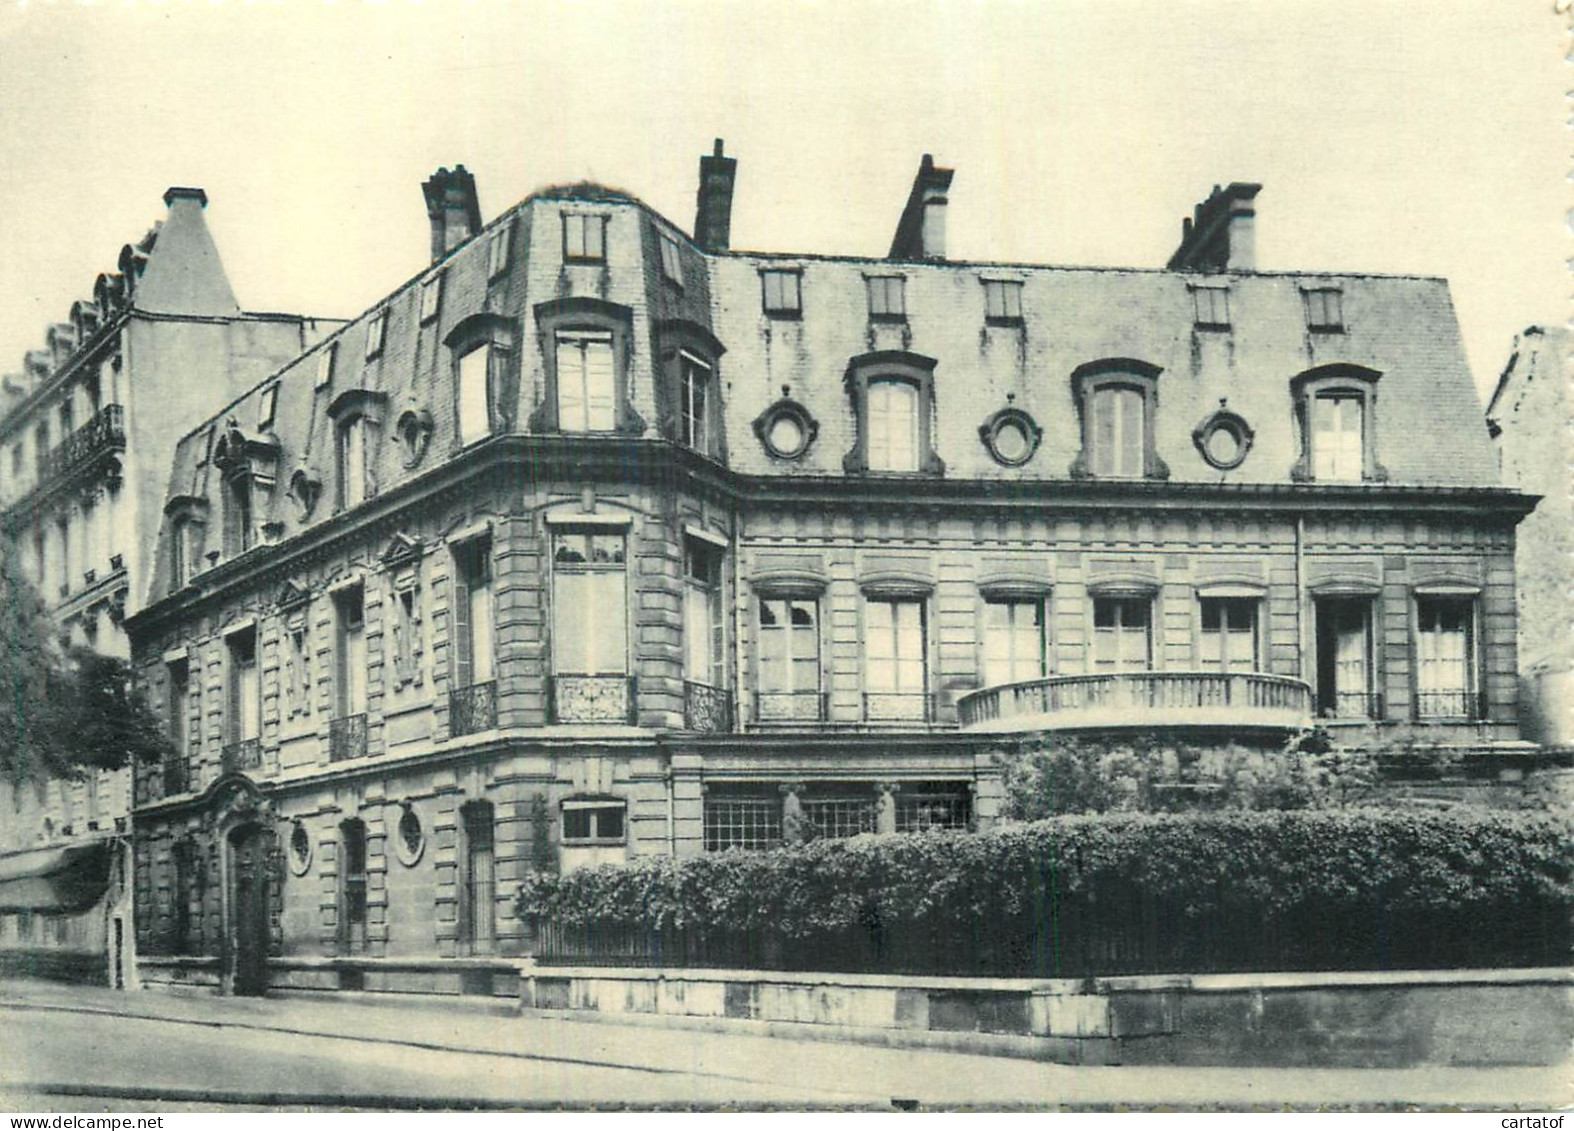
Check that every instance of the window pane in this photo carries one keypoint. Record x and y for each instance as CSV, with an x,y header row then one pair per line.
x,y
473,422
1337,442
893,426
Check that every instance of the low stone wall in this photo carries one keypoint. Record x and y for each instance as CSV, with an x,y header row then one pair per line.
x,y
1401,1019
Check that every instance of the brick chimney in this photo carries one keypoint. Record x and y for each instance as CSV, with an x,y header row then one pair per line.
x,y
713,202
920,234
453,208
1219,235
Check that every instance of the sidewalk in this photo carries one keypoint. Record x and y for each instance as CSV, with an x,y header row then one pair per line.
x,y
816,1073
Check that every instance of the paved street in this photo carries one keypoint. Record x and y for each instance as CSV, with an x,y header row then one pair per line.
x,y
71,1049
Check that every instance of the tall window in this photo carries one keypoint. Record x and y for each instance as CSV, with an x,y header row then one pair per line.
x,y
1229,634
352,887
1344,658
41,446
1122,634
703,637
472,613
1337,437
474,413
789,676
1445,657
352,461
297,671
694,378
671,259
67,552
586,381
405,625
177,704
893,426
179,553
245,690
589,602
67,418
183,863
1119,430
477,880
350,656
1013,640
374,332
896,669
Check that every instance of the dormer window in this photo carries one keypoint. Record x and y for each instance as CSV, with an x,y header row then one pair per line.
x,y
239,522
483,348
892,394
497,249
1003,302
357,415
325,365
584,238
431,298
248,464
266,405
1324,309
782,293
671,259
585,358
887,298
374,333
1211,307
1117,399
1334,406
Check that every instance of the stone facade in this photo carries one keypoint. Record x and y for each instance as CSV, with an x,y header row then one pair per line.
x,y
1530,417
590,541
87,433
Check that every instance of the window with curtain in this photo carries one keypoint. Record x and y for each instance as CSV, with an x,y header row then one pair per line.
x,y
1229,634
586,381
1014,640
1445,657
472,614
478,880
893,426
474,378
1119,430
896,670
1122,634
703,633
589,601
789,664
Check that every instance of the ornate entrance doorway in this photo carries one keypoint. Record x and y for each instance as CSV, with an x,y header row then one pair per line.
x,y
249,848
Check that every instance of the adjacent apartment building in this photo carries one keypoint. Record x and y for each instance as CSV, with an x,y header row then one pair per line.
x,y
600,538
1530,417
87,436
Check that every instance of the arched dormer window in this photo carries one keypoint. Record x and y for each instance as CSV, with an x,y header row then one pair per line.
x,y
357,421
1336,418
1117,400
486,376
186,518
585,347
248,464
892,394
691,400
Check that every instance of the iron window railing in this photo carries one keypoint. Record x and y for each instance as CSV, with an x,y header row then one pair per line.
x,y
1350,705
106,431
593,699
742,822
705,708
245,754
1452,704
472,709
898,707
347,738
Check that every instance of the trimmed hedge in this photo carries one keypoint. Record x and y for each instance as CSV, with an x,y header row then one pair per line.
x,y
1343,889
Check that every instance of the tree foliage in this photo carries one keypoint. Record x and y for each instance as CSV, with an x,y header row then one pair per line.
x,y
66,710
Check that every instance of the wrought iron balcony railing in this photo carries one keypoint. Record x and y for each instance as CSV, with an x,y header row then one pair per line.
x,y
1456,705
105,432
593,699
1138,699
705,708
787,707
245,754
1350,705
177,775
472,709
346,738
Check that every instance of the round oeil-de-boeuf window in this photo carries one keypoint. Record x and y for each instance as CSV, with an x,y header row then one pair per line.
x,y
1011,436
1223,440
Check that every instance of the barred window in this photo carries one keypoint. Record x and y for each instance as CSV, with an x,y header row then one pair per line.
x,y
742,821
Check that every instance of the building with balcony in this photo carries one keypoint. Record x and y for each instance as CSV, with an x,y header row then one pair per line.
x,y
87,434
598,538
1530,418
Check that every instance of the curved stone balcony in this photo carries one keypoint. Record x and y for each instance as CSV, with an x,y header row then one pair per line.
x,y
1234,700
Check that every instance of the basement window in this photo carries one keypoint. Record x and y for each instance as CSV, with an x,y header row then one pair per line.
x,y
594,822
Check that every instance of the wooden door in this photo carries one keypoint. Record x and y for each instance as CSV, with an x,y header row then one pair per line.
x,y
249,910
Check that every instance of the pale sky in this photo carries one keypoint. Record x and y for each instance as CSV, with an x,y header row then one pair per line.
x,y
1391,135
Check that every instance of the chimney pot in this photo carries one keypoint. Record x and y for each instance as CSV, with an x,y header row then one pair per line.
x,y
713,200
452,207
179,192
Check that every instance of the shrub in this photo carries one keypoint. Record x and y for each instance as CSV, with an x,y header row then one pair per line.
x,y
1341,889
